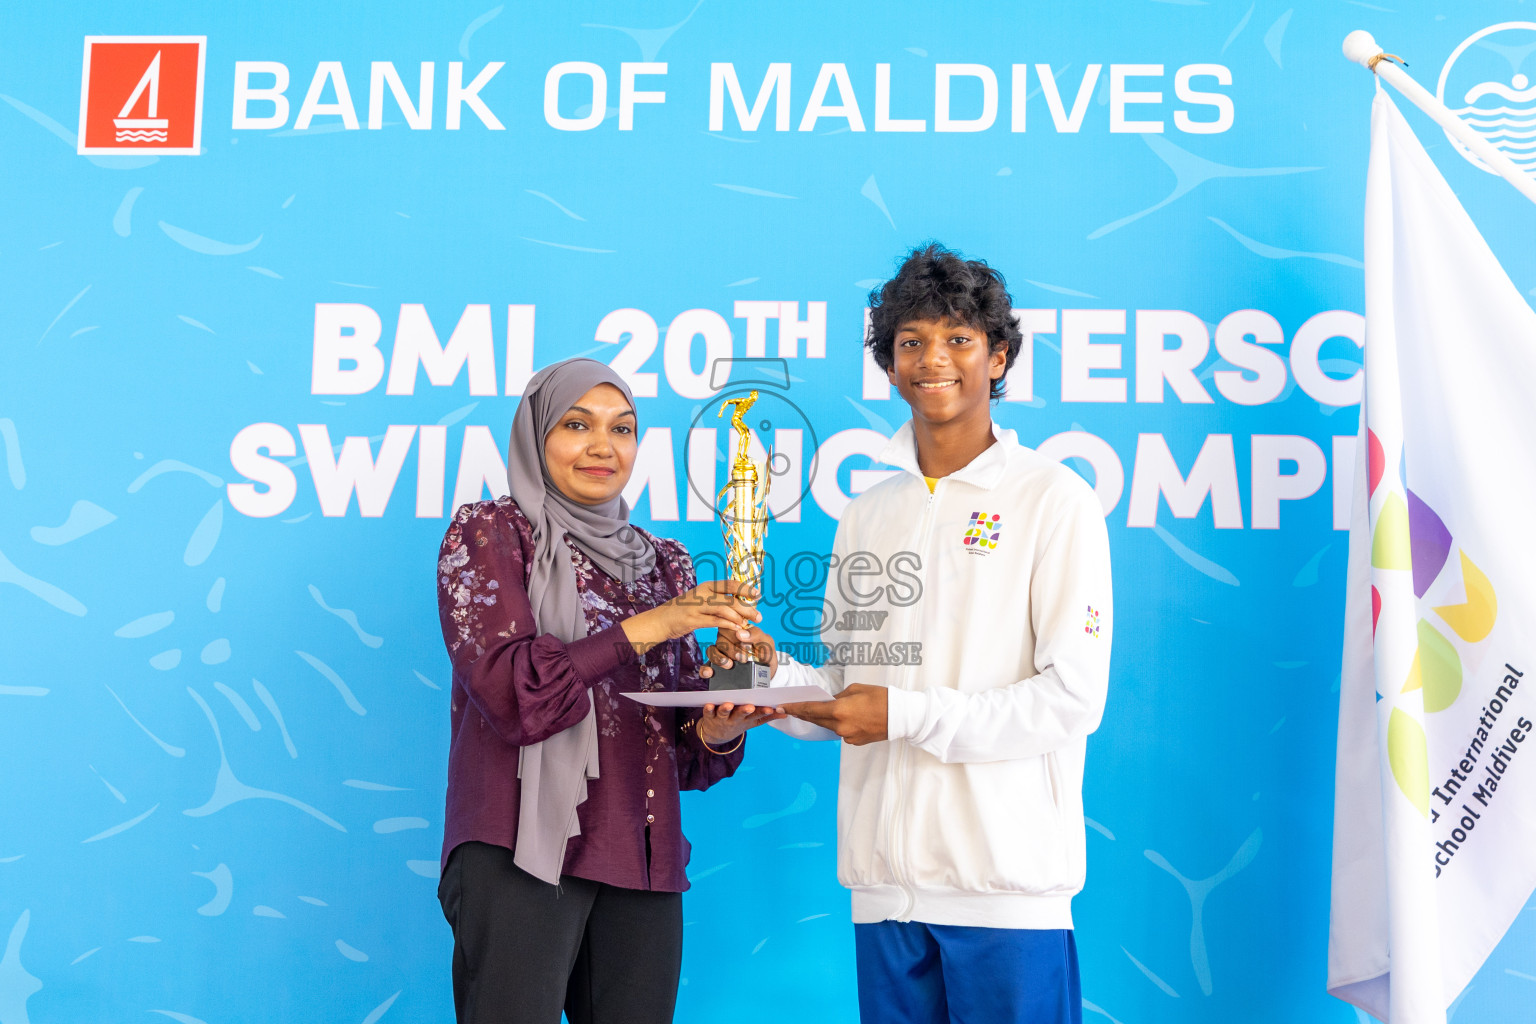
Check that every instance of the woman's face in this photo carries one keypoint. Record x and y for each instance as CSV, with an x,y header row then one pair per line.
x,y
591,450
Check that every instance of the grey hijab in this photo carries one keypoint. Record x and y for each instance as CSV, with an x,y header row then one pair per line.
x,y
554,772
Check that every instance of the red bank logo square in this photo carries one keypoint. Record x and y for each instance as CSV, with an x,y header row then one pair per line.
x,y
141,94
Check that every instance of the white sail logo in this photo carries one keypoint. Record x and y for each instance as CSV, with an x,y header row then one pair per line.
x,y
1485,84
149,128
141,95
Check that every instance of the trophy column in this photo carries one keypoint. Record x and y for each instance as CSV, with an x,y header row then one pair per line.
x,y
742,506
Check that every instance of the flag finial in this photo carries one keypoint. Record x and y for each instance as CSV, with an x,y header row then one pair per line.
x,y
1360,47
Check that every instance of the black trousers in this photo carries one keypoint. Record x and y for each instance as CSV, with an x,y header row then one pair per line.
x,y
524,950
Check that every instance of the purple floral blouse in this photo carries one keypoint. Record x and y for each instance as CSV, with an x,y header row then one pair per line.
x,y
513,685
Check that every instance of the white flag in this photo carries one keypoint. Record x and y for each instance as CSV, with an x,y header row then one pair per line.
x,y
1435,801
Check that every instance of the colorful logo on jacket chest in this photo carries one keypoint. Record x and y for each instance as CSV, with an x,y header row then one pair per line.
x,y
981,533
1091,627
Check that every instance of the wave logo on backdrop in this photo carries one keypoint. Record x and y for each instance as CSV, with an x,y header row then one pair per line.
x,y
1484,83
141,94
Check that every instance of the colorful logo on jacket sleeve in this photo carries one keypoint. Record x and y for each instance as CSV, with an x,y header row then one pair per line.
x,y
981,533
1091,627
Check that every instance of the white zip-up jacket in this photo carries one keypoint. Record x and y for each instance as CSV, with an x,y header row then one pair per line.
x,y
971,813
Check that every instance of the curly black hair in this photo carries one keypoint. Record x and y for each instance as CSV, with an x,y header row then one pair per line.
x,y
936,283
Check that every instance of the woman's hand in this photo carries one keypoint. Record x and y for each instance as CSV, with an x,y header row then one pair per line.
x,y
720,724
730,647
715,604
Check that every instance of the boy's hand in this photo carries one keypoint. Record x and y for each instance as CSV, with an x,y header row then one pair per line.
x,y
728,649
858,714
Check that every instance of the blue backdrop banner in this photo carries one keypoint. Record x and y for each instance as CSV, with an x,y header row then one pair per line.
x,y
274,279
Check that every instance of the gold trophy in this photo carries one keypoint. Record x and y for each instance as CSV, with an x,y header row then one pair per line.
x,y
742,505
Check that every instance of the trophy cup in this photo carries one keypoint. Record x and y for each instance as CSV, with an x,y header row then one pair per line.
x,y
742,506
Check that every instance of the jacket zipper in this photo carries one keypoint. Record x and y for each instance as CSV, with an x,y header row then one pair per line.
x,y
899,752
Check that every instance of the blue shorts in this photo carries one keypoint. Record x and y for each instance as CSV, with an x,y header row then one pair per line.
x,y
914,973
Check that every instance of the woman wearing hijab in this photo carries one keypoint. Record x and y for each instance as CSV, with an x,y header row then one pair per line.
x,y
563,854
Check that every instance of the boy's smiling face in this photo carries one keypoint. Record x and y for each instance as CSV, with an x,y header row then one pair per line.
x,y
944,370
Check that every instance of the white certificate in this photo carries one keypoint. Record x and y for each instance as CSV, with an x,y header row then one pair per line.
x,y
761,696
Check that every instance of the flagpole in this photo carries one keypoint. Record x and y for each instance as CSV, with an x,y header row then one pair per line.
x,y
1361,48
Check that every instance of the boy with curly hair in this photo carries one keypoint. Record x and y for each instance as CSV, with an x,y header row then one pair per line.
x,y
960,820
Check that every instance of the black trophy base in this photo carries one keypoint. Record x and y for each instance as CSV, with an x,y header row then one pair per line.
x,y
742,675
